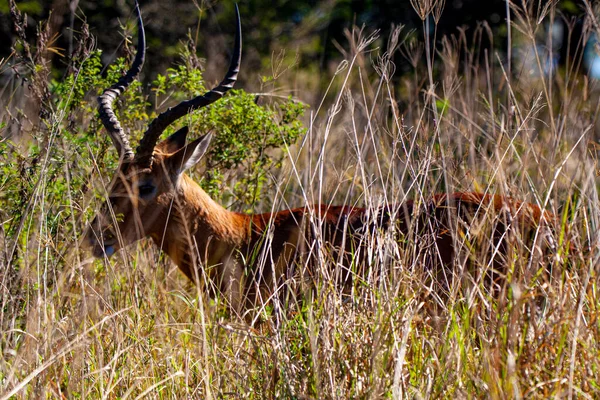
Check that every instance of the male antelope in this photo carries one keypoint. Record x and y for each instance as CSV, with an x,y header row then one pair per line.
x,y
244,256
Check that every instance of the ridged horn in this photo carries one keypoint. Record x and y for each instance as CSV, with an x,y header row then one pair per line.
x,y
159,124
107,115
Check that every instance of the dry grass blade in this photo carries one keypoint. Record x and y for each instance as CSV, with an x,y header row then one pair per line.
x,y
513,314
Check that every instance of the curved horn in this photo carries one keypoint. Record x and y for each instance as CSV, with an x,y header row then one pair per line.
x,y
159,124
107,115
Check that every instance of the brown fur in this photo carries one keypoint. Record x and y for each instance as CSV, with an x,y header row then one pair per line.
x,y
250,257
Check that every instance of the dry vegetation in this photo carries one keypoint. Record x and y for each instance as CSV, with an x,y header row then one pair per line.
x,y
463,119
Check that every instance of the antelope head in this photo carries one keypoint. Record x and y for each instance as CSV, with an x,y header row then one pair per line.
x,y
146,185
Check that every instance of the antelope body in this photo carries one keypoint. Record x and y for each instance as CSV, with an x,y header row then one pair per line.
x,y
249,257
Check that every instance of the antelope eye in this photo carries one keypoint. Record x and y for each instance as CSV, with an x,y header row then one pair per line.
x,y
146,190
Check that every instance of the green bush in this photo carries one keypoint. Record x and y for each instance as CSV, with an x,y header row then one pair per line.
x,y
246,134
70,148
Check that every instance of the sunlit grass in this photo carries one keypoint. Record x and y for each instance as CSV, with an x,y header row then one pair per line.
x,y
132,326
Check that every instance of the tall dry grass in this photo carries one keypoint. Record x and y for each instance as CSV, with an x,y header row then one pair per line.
x,y
463,119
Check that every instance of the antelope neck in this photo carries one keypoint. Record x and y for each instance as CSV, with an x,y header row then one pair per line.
x,y
198,227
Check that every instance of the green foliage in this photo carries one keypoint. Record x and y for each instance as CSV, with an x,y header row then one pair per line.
x,y
247,135
16,183
58,166
33,7
52,177
69,93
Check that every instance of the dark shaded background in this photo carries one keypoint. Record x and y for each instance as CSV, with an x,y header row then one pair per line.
x,y
309,28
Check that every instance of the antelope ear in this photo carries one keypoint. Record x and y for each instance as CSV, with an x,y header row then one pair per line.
x,y
174,142
189,155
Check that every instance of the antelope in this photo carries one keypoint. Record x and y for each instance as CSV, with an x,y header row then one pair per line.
x,y
155,198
